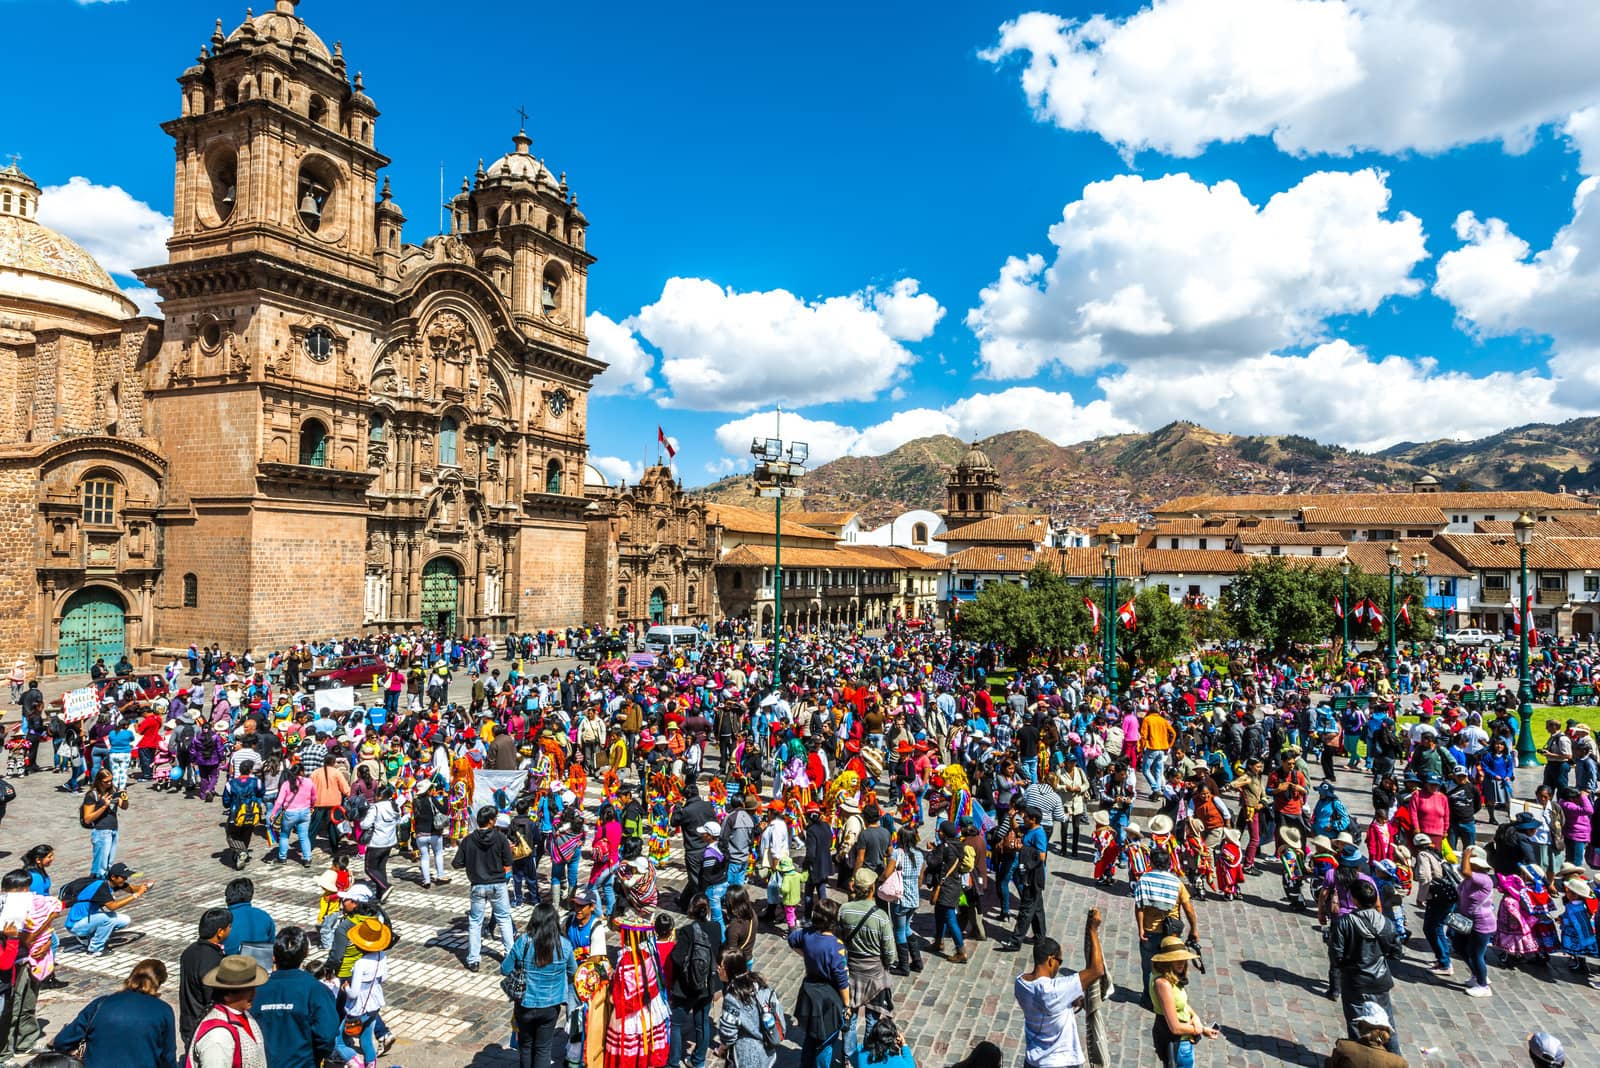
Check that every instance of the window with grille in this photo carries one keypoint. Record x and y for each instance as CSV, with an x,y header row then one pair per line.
x,y
99,502
191,591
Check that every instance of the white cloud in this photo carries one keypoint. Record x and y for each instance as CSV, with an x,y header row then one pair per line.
x,y
1173,267
724,350
629,365
1499,286
120,232
726,466
617,469
1057,416
1360,402
1317,76
145,298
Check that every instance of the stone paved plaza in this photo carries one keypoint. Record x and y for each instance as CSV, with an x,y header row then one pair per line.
x,y
1264,984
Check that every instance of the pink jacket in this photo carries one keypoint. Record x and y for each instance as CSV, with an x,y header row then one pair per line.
x,y
1431,814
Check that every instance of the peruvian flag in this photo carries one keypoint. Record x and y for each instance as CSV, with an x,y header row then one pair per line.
x,y
661,437
1374,614
1359,610
1405,613
1338,607
1094,612
1126,615
1516,620
1527,613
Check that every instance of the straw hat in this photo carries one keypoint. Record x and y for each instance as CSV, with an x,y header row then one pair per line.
x,y
1232,835
235,973
1291,836
1133,829
371,935
1320,842
1160,824
1579,887
1102,818
1173,949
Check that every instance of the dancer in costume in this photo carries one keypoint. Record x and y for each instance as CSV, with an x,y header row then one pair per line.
x,y
636,1028
1106,849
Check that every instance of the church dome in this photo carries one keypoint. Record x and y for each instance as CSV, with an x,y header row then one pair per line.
x,y
282,25
41,267
593,477
975,457
522,164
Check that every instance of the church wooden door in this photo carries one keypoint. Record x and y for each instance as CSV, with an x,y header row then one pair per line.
x,y
92,627
441,596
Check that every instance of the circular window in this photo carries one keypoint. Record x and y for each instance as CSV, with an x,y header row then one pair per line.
x,y
319,343
211,336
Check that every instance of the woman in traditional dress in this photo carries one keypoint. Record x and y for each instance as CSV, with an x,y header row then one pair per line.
x,y
636,1026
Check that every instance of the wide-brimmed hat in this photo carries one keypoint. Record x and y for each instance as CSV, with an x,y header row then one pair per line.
x,y
1172,949
1132,829
864,879
1579,887
1160,824
848,805
371,935
1291,836
1232,835
1102,818
238,972
1321,842
328,882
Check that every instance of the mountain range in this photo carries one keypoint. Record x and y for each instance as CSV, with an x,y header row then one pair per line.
x,y
1123,476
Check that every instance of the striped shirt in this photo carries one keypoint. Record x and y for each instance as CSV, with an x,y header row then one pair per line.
x,y
1157,890
1046,800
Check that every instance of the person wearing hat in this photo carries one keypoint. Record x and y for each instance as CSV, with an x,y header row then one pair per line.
x,y
96,912
227,1036
1176,1023
1161,905
363,995
355,904
429,820
818,840
1545,1051
1369,1048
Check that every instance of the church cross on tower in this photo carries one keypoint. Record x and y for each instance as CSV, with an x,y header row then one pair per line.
x,y
523,111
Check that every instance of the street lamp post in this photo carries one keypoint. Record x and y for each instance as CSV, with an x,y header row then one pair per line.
x,y
1527,751
1394,575
1109,554
776,473
1344,612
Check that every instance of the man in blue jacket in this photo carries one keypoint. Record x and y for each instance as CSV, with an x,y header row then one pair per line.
x,y
298,1019
253,930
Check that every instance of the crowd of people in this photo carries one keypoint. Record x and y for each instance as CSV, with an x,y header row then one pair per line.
x,y
882,806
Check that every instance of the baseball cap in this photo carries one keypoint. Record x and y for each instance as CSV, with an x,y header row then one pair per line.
x,y
121,871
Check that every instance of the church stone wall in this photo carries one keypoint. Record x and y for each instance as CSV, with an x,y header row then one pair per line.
x,y
308,570
17,553
551,575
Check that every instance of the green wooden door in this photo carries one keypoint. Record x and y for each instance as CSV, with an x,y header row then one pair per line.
x,y
441,596
658,605
91,627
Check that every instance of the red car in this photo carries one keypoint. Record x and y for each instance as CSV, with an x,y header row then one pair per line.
x,y
146,688
349,671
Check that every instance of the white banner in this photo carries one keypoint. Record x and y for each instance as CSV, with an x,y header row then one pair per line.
x,y
485,783
336,699
79,704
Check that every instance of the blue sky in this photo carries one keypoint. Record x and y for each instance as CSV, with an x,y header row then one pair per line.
x,y
1263,201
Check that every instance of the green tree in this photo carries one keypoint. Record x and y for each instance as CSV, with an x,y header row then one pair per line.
x,y
1278,605
1164,629
1002,613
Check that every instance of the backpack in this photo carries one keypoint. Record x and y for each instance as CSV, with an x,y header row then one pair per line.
x,y
698,968
77,896
773,1029
355,808
249,813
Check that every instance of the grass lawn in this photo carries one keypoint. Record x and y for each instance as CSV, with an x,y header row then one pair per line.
x,y
1589,715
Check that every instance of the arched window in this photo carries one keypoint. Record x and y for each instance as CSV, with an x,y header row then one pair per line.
x,y
191,591
488,449
313,444
691,593
919,534
447,441
552,477
961,502
622,596
375,428
99,502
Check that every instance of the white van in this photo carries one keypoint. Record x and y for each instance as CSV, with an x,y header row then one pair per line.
x,y
664,639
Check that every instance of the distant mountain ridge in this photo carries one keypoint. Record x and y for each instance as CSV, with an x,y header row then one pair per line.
x,y
1125,475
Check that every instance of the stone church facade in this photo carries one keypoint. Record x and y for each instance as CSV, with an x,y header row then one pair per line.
x,y
652,554
332,431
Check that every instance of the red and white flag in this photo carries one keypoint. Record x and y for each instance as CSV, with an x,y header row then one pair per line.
x,y
1094,612
1127,616
1359,610
1527,613
661,436
1338,607
1374,614
1405,613
1516,620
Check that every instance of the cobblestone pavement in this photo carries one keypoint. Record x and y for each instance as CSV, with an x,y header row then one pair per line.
x,y
1264,985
